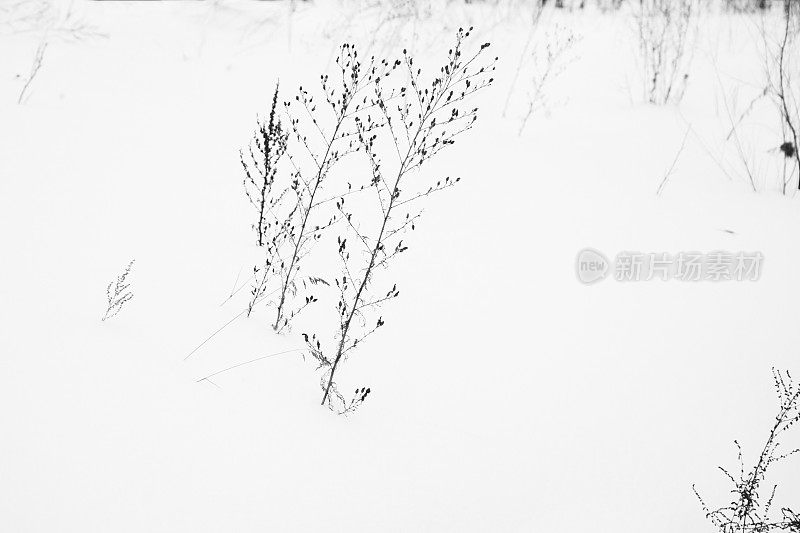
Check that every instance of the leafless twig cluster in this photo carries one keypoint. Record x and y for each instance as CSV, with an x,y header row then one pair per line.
x,y
294,211
548,62
750,509
783,68
421,119
54,19
117,293
666,30
392,118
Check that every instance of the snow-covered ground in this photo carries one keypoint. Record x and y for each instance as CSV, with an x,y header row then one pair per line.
x,y
506,395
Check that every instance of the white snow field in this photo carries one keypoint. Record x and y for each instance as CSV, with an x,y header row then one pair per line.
x,y
506,395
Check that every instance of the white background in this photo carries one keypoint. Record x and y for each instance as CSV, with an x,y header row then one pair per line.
x,y
506,396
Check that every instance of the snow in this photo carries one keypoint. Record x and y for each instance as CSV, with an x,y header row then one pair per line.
x,y
506,396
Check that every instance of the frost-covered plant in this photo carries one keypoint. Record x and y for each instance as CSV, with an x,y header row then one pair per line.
x,y
117,293
666,32
749,509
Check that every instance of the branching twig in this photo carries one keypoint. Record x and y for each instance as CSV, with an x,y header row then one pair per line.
x,y
425,122
665,30
37,64
296,217
119,295
674,162
218,372
749,511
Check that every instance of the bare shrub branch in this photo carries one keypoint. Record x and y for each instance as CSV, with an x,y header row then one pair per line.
x,y
269,142
117,293
666,31
292,214
425,120
781,71
392,123
546,67
749,510
38,59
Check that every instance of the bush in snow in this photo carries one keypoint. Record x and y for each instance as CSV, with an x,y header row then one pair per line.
x,y
666,30
750,509
417,119
548,62
386,113
295,203
265,152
